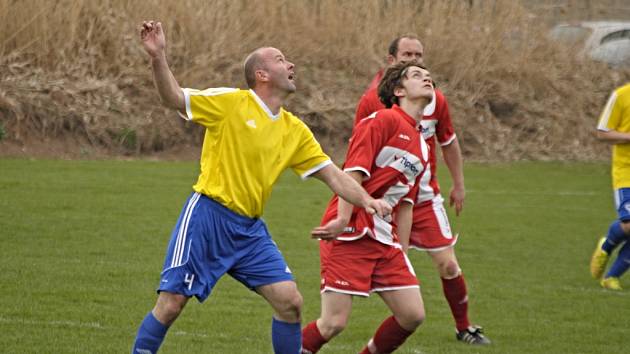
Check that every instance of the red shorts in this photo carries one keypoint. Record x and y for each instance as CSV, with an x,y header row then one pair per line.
x,y
363,266
430,230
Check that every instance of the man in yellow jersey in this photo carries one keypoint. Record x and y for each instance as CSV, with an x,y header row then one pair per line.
x,y
249,141
614,128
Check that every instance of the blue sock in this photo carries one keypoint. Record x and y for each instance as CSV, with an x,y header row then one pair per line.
x,y
622,263
614,238
150,336
286,337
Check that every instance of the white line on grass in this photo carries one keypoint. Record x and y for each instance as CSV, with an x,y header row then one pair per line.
x,y
94,325
560,193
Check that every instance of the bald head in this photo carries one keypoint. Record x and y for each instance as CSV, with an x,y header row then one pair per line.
x,y
256,61
252,63
268,67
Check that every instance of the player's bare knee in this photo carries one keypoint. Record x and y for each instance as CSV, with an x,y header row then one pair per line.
x,y
449,269
332,326
291,307
173,308
168,308
411,320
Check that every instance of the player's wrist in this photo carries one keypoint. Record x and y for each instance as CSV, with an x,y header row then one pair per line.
x,y
158,57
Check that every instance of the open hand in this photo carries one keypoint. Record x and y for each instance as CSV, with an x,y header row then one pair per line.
x,y
330,231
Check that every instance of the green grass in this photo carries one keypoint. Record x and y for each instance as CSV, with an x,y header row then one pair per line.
x,y
82,245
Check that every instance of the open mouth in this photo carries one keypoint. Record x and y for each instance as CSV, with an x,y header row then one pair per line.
x,y
291,76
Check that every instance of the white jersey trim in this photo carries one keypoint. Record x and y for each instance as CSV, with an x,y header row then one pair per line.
x,y
430,108
308,173
437,249
264,106
360,169
605,117
215,91
355,237
376,290
449,141
188,115
347,292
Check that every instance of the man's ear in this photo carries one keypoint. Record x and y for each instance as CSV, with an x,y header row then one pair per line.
x,y
262,75
391,60
400,92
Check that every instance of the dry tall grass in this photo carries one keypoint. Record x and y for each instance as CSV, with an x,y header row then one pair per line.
x,y
74,69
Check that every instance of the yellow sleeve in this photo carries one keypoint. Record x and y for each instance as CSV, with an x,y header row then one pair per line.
x,y
309,157
611,115
209,107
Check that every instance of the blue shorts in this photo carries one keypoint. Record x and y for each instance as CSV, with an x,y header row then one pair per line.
x,y
210,240
622,203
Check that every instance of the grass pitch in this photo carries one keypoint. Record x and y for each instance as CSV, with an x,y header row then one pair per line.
x,y
82,245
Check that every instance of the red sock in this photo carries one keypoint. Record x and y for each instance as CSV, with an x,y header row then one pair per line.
x,y
457,297
312,339
388,337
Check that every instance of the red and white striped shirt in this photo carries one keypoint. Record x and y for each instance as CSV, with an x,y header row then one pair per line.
x,y
436,125
392,155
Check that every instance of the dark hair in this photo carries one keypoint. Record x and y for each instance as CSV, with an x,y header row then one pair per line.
x,y
393,46
252,63
392,79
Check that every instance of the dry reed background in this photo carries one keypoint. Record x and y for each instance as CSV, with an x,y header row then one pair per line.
x,y
74,70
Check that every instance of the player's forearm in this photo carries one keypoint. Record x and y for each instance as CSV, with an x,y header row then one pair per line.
x,y
170,93
453,159
351,191
404,221
344,185
344,210
613,137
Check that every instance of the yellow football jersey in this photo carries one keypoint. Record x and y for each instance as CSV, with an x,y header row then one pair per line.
x,y
246,147
616,116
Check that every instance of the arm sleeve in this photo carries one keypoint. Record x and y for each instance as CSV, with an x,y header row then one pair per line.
x,y
363,110
611,115
444,131
368,105
209,107
368,139
309,157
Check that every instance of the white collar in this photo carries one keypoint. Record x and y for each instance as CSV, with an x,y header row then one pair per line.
x,y
264,106
430,108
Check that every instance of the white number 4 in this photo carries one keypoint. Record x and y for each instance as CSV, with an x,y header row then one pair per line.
x,y
188,279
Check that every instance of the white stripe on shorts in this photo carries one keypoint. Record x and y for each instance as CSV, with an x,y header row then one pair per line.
x,y
441,217
183,228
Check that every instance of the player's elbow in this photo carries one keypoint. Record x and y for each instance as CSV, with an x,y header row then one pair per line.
x,y
176,103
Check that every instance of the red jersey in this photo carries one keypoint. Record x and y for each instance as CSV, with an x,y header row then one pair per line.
x,y
436,124
391,153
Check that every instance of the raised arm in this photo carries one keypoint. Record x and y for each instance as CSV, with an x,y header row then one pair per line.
x,y
453,159
154,43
